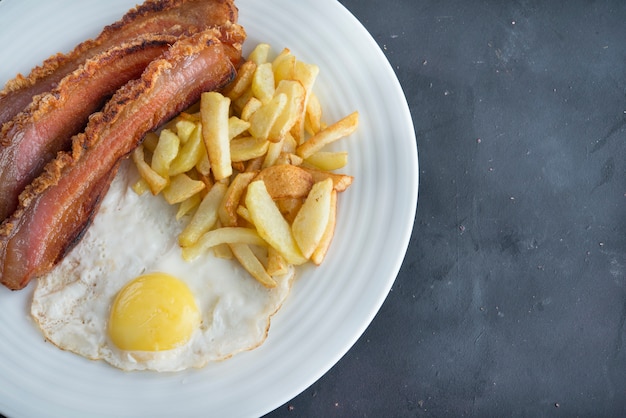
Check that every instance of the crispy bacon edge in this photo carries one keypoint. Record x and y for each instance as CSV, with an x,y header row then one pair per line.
x,y
55,209
173,17
46,126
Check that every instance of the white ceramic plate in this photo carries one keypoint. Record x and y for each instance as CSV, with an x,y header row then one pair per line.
x,y
329,307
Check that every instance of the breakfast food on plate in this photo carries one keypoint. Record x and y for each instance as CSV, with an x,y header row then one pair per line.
x,y
71,87
57,206
180,254
174,17
214,308
46,127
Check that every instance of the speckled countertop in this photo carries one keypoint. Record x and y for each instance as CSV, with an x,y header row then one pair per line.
x,y
512,298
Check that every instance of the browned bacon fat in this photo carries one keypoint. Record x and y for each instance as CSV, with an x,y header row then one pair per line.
x,y
34,136
57,206
173,17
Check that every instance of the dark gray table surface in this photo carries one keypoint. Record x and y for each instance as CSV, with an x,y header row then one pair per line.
x,y
512,298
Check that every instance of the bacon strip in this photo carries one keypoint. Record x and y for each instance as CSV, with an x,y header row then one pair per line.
x,y
57,206
46,127
173,17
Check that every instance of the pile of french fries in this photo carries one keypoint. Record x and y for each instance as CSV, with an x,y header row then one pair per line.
x,y
248,167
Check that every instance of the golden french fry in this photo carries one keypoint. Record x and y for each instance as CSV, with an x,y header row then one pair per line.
x,y
260,53
276,264
188,205
190,153
290,145
328,161
242,81
251,106
273,152
254,164
243,212
313,118
154,180
184,128
205,216
340,181
203,166
223,251
224,235
214,108
310,223
270,224
288,158
296,95
181,188
247,148
286,181
165,152
322,249
262,120
237,126
251,263
305,74
284,65
331,133
289,207
141,186
230,202
263,82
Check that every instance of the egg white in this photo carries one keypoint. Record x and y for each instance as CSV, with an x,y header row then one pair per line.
x,y
132,235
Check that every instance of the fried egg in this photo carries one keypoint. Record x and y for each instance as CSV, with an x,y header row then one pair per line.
x,y
125,295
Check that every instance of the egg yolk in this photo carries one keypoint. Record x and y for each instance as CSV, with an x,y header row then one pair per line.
x,y
153,312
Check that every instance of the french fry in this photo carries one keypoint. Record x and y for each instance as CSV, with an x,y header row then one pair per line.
x,y
165,152
322,249
288,158
289,207
242,81
203,166
230,202
266,127
181,188
260,53
244,213
188,205
224,235
262,120
331,133
251,106
310,223
313,118
184,128
140,186
270,224
286,181
328,161
284,65
305,74
296,95
214,109
190,153
237,126
247,148
273,152
252,265
205,216
263,83
156,183
340,181
276,264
